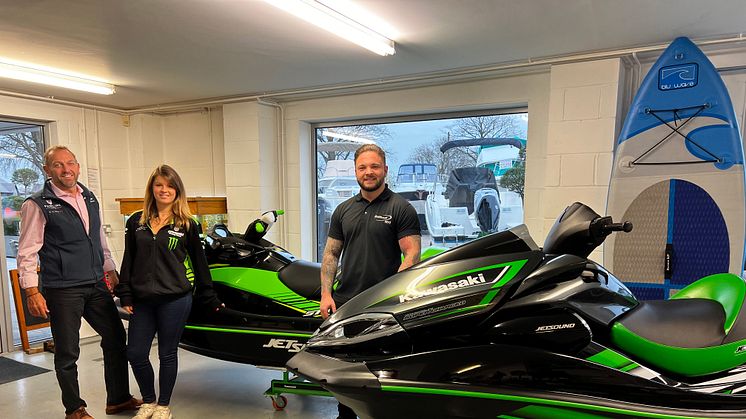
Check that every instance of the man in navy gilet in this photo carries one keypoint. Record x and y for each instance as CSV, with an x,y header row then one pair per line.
x,y
61,228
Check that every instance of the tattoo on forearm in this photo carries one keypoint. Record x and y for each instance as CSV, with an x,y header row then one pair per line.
x,y
411,247
329,263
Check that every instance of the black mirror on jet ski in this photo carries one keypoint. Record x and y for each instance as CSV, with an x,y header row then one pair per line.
x,y
579,230
499,327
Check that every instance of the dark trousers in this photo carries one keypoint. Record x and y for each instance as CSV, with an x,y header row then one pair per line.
x,y
92,302
344,411
167,319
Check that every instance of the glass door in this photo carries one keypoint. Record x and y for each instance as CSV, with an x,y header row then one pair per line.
x,y
21,174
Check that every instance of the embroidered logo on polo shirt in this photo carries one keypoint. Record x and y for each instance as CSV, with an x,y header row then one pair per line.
x,y
383,218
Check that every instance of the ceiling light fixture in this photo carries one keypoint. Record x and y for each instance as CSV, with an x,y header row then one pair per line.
x,y
322,14
31,74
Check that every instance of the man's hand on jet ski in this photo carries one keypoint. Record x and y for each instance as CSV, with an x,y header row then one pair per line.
x,y
326,305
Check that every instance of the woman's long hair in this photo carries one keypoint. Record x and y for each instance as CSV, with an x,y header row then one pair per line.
x,y
180,208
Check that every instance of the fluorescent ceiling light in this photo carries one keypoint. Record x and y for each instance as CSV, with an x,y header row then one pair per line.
x,y
328,15
11,70
361,140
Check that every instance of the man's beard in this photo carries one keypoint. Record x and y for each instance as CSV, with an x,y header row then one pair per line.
x,y
371,188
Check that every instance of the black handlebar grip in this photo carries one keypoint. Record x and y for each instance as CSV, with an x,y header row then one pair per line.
x,y
625,226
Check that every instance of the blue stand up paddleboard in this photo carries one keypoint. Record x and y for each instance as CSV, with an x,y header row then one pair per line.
x,y
678,177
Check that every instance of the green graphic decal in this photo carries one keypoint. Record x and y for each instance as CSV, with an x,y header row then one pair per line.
x,y
172,242
612,359
534,401
265,284
189,270
503,273
460,310
248,331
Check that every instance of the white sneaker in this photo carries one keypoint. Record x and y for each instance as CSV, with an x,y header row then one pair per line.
x,y
145,411
162,412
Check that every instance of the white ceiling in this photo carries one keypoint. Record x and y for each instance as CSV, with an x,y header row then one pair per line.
x,y
167,51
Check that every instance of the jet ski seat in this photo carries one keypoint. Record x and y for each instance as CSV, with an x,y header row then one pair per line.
x,y
303,277
699,331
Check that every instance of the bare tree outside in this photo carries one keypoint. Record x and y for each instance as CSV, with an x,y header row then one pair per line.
x,y
26,149
494,126
445,162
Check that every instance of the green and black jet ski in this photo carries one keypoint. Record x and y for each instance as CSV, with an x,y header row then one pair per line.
x,y
500,328
271,298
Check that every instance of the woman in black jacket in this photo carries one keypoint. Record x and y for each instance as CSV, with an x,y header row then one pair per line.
x,y
164,267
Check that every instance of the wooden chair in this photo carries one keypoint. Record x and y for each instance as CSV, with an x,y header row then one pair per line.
x,y
26,321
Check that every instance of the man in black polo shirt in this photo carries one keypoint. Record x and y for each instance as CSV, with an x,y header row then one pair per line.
x,y
374,228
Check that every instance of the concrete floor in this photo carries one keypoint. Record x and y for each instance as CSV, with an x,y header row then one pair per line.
x,y
205,388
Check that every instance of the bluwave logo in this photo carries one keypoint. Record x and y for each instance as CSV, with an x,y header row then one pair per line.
x,y
678,76
469,281
383,218
291,345
553,327
172,242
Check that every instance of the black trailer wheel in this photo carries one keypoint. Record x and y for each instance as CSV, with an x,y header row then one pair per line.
x,y
279,402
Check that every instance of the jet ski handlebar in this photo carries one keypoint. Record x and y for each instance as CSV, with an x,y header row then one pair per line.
x,y
625,227
603,226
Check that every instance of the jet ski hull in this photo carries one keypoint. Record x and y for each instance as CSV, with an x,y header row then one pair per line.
x,y
503,381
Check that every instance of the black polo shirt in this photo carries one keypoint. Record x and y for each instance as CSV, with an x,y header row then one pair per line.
x,y
370,232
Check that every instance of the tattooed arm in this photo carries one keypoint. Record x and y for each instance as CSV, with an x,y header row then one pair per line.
x,y
329,263
410,247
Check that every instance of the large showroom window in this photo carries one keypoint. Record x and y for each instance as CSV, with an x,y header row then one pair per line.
x,y
21,174
463,174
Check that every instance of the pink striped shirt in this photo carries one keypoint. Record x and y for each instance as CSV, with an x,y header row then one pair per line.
x,y
32,236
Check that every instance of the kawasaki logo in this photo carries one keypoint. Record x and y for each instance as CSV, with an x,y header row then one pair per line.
x,y
554,327
469,281
291,345
172,242
740,349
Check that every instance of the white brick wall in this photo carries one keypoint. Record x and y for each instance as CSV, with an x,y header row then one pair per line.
x,y
584,102
251,163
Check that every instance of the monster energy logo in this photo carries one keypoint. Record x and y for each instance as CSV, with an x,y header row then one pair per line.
x,y
172,242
